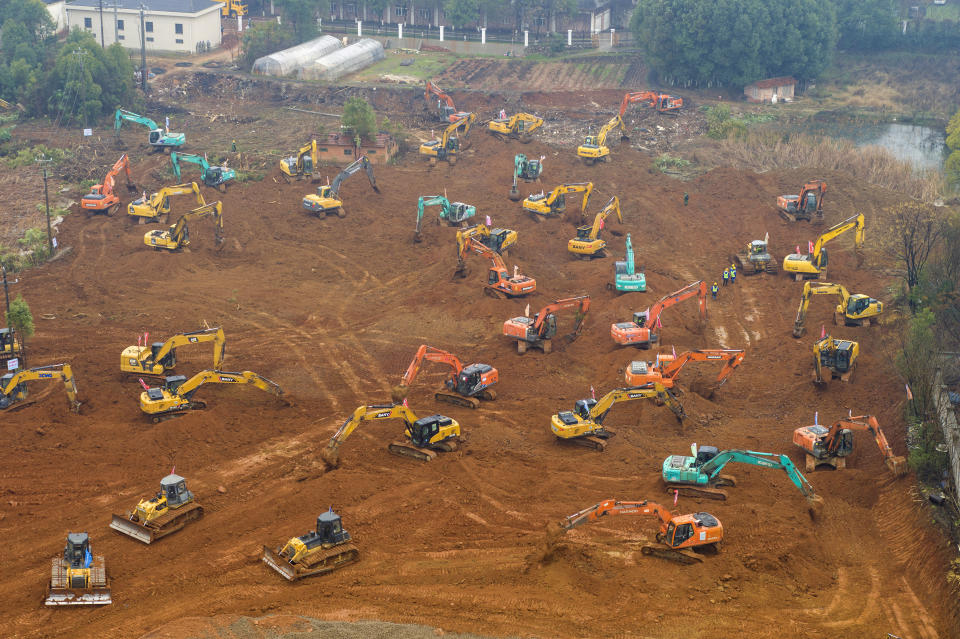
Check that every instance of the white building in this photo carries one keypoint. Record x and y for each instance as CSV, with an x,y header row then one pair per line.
x,y
58,13
169,25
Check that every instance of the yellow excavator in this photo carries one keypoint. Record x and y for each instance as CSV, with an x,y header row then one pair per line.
x,y
839,356
814,265
853,310
327,199
159,357
177,237
587,244
594,147
519,126
173,508
584,424
13,386
555,202
452,140
302,164
496,239
150,209
175,397
322,550
424,437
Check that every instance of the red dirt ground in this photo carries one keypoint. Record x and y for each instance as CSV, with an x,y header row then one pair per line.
x,y
333,310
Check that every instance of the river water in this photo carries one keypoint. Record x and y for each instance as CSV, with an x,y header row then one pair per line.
x,y
923,146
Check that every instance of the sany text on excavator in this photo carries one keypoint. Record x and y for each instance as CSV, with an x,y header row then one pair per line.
x,y
496,239
13,386
839,356
678,537
451,141
170,510
554,203
806,206
594,147
102,198
662,102
453,213
301,165
442,104
215,176
538,331
814,265
150,209
424,437
756,258
667,367
526,170
626,276
587,244
177,237
500,283
175,397
852,310
77,576
584,424
465,386
160,357
160,138
322,550
640,331
519,126
327,199
831,446
699,475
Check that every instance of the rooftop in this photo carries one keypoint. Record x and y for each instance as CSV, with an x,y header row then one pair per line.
x,y
769,83
172,6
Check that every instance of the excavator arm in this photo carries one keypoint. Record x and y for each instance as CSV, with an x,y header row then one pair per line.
x,y
605,130
430,354
731,359
189,387
583,187
809,290
897,464
461,126
364,414
775,461
360,163
10,393
123,115
698,289
647,391
612,206
853,222
581,303
214,335
611,507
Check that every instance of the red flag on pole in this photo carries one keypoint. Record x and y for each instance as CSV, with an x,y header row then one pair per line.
x,y
658,325
593,393
809,246
405,403
823,331
676,493
674,349
798,249
142,383
909,393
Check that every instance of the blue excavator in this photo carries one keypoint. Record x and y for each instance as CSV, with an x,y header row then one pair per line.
x,y
453,213
159,138
699,475
626,278
215,176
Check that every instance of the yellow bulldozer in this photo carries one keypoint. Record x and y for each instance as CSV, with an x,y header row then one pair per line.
x,y
170,510
319,551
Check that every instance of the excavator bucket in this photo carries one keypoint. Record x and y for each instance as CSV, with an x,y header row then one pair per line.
x,y
815,506
330,457
897,465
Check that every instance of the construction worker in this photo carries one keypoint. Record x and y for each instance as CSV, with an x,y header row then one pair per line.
x,y
726,276
686,198
733,273
714,290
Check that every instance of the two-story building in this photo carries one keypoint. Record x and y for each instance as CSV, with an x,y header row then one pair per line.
x,y
168,25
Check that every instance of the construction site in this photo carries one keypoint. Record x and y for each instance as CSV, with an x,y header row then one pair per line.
x,y
332,309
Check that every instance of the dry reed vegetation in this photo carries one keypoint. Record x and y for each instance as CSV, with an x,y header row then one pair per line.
x,y
873,164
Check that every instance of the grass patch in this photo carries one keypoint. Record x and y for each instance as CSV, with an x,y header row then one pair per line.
x,y
667,163
941,12
425,66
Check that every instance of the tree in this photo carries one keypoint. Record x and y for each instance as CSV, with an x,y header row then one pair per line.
x,y
915,230
264,38
461,12
952,165
359,118
735,42
20,318
302,17
867,25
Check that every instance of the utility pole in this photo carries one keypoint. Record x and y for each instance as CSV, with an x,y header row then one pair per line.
x,y
43,161
143,52
116,29
102,46
6,289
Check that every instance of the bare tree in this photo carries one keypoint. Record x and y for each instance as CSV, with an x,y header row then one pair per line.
x,y
915,230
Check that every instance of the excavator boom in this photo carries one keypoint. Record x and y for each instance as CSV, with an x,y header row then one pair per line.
x,y
814,264
174,398
831,445
640,331
13,386
155,359
177,236
102,198
161,139
554,202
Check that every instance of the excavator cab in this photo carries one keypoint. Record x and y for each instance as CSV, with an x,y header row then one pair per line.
x,y
859,303
583,407
705,454
426,428
169,360
583,233
155,136
686,528
18,393
496,239
839,358
469,379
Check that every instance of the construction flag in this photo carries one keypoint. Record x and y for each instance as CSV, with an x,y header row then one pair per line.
x,y
146,338
676,493
658,325
816,418
87,558
167,123
526,312
798,249
488,221
405,403
593,393
809,246
139,339
173,470
674,349
601,224
143,383
823,331
909,393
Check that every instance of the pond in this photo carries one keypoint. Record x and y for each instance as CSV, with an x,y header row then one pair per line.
x,y
923,146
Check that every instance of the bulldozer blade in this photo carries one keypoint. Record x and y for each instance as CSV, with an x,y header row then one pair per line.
x,y
76,597
273,560
131,529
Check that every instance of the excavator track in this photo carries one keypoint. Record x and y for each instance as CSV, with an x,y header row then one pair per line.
x,y
323,561
666,552
457,400
158,528
406,449
590,441
180,412
704,492
487,395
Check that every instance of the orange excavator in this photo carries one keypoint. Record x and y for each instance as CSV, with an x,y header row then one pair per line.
x,y
499,281
437,99
538,331
677,538
832,445
640,331
101,198
667,367
662,102
466,386
806,206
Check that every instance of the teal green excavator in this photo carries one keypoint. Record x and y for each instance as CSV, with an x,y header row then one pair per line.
x,y
699,475
215,176
526,170
159,138
626,277
453,213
